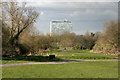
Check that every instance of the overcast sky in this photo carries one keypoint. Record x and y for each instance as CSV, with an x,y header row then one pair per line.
x,y
85,15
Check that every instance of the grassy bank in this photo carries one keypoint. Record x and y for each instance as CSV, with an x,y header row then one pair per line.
x,y
81,54
69,70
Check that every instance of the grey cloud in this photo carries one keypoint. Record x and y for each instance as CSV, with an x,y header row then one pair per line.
x,y
73,4
83,18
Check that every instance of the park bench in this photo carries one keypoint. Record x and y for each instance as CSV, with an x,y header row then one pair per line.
x,y
51,57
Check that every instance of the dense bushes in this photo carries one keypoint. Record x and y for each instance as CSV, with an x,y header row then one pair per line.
x,y
85,41
108,41
36,43
31,42
7,48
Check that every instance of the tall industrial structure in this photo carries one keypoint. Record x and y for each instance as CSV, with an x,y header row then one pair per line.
x,y
59,27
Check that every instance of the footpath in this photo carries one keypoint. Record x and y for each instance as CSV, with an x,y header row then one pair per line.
x,y
55,62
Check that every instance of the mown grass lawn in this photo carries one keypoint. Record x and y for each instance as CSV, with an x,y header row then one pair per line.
x,y
66,55
26,59
81,54
97,69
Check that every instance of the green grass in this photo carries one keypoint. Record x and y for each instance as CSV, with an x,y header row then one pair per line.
x,y
68,70
26,59
81,54
69,55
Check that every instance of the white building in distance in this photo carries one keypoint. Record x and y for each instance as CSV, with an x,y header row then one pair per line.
x,y
59,27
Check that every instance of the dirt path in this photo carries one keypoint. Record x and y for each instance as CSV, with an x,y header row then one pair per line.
x,y
56,62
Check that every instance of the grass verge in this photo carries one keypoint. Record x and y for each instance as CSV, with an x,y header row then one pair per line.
x,y
97,69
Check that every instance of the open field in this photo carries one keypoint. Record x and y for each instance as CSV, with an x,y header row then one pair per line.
x,y
81,54
68,70
89,69
64,55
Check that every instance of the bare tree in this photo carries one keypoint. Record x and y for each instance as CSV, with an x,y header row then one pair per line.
x,y
18,17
